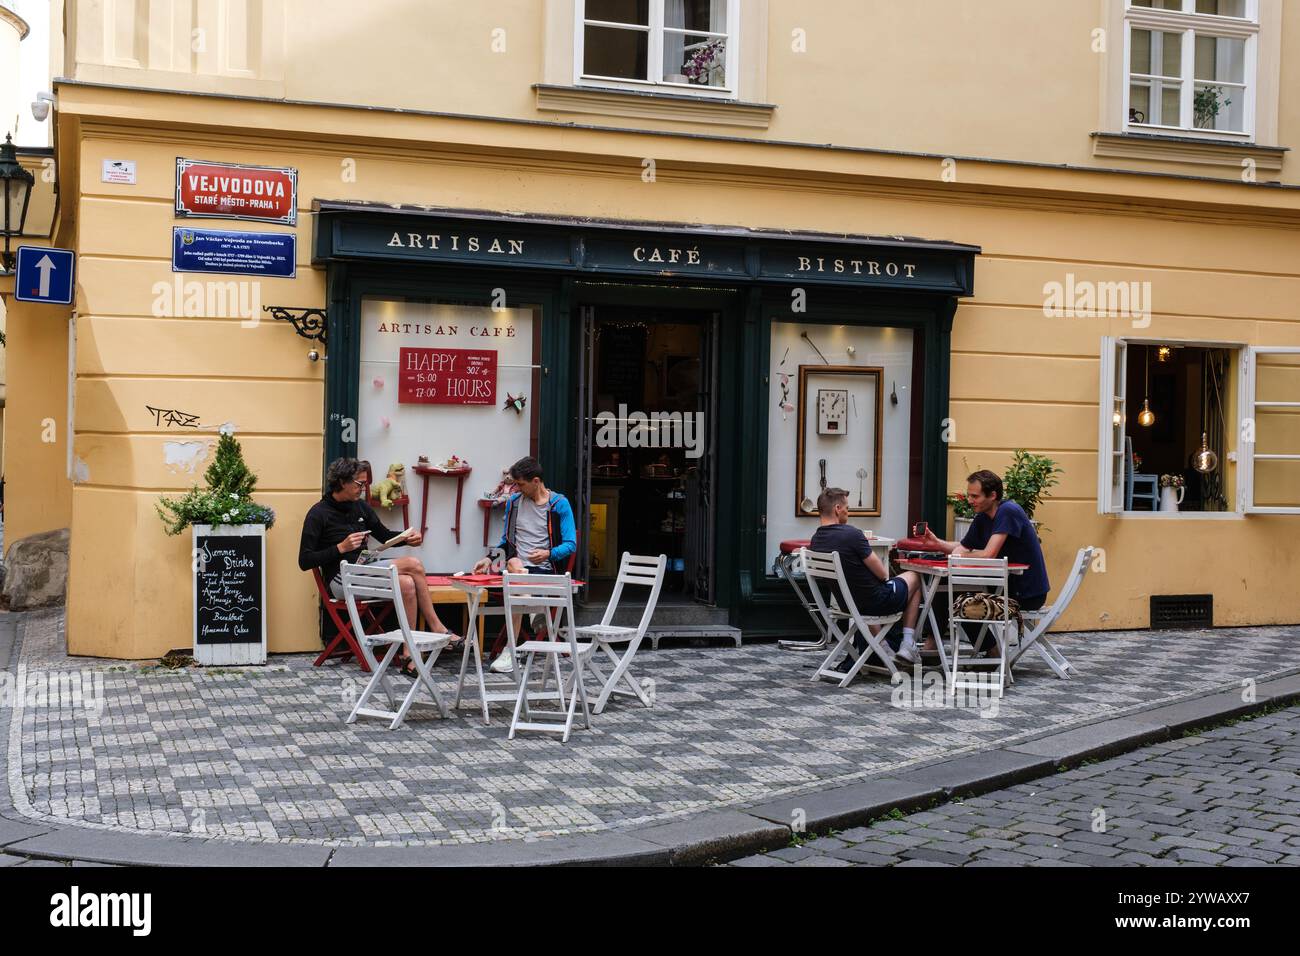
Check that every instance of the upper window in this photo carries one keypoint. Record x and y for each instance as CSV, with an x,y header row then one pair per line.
x,y
1191,66
686,46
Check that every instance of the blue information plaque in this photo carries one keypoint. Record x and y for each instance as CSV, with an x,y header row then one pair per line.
x,y
272,254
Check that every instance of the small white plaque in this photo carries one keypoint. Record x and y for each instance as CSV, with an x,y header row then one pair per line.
x,y
120,171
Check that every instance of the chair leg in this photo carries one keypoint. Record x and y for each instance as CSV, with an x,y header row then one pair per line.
x,y
521,702
377,676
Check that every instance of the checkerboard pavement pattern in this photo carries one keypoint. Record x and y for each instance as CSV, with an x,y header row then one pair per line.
x,y
1227,797
262,754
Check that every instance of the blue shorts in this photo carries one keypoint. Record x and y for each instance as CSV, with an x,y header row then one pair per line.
x,y
888,597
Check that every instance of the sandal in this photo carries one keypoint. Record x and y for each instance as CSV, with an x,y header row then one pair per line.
x,y
454,642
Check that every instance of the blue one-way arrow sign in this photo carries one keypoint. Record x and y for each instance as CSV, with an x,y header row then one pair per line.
x,y
45,275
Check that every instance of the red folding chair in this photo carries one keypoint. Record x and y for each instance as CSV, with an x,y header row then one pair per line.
x,y
345,644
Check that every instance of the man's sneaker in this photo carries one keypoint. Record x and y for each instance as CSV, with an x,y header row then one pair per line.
x,y
504,664
908,652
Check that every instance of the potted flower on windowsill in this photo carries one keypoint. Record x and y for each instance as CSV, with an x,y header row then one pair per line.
x,y
1172,488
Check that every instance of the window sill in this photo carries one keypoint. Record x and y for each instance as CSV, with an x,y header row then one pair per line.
x,y
1187,149
1175,515
660,106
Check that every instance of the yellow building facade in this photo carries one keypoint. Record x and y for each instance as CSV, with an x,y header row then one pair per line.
x,y
1118,175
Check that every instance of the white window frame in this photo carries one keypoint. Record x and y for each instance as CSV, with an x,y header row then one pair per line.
x,y
1189,24
1247,403
655,54
1110,496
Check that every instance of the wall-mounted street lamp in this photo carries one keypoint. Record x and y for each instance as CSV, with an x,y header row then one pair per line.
x,y
16,186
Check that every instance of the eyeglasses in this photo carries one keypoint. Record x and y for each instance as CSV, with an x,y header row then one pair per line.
x,y
358,482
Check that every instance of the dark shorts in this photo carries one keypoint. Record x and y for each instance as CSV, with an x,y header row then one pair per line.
x,y
889,597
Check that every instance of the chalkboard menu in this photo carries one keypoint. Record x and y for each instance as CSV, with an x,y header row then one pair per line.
x,y
229,596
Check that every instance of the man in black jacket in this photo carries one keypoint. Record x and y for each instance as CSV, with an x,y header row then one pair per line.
x,y
335,530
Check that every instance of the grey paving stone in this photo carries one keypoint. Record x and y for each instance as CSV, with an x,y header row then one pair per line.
x,y
845,807
73,843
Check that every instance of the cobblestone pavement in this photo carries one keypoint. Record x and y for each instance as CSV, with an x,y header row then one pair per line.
x,y
1227,797
262,754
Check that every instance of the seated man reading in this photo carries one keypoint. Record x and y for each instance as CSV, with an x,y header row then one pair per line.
x,y
539,535
335,530
1001,529
875,593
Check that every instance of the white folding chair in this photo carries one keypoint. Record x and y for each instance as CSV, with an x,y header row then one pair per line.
x,y
821,568
637,571
552,594
1037,623
966,574
380,582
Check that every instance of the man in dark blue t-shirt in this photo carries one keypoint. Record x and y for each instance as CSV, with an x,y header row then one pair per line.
x,y
1001,529
874,592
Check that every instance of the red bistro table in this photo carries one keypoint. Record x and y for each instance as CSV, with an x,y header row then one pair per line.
x,y
426,472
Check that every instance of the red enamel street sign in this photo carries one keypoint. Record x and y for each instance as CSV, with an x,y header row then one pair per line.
x,y
234,191
447,376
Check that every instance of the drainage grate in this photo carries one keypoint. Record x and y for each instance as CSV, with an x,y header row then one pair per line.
x,y
1171,611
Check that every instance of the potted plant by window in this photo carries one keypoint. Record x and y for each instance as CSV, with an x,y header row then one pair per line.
x,y
962,515
1027,480
228,558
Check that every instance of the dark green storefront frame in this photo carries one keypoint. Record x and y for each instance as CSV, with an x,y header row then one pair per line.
x,y
758,603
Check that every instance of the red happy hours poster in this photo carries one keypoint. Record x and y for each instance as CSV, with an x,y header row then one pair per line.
x,y
236,191
447,377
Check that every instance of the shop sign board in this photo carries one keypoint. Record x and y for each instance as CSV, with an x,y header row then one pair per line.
x,y
236,191
447,376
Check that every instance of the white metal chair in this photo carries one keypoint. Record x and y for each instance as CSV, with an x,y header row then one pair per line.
x,y
824,568
552,594
637,571
966,574
380,582
1037,623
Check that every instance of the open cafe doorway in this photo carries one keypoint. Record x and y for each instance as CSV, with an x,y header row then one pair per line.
x,y
648,397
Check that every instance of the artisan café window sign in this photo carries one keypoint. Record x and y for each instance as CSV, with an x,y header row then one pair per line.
x,y
236,191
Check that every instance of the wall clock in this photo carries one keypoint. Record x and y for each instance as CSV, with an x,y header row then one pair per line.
x,y
832,411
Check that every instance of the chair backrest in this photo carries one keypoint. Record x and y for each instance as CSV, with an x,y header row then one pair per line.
x,y
639,571
325,597
1082,564
826,566
978,572
551,593
375,582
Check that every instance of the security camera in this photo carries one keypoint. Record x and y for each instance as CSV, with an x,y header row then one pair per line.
x,y
41,106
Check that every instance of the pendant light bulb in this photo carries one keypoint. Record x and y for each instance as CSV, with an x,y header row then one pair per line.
x,y
1146,417
1205,461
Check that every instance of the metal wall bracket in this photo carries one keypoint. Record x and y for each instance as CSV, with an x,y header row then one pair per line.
x,y
309,323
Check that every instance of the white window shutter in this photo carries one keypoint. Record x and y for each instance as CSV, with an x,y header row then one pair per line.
x,y
1267,416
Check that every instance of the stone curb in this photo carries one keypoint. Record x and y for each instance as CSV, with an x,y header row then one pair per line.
x,y
710,837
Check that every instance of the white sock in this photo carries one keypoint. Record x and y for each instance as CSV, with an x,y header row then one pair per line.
x,y
909,633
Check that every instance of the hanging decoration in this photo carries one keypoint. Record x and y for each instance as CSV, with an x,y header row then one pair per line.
x,y
1146,417
1205,461
515,402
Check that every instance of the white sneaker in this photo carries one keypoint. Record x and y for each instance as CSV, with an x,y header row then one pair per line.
x,y
504,664
908,652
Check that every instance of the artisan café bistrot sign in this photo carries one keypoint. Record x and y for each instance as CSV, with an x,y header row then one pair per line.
x,y
236,191
913,264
